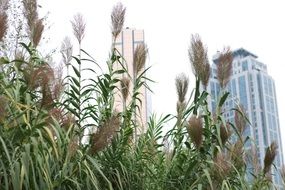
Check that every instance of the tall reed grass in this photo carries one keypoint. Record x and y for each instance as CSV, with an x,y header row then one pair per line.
x,y
44,118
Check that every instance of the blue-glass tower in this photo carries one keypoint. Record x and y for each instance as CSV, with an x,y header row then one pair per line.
x,y
252,87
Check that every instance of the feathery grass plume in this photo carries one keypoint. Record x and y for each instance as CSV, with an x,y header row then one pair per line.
x,y
68,121
57,85
3,18
56,114
78,26
198,57
140,55
225,133
196,54
66,50
35,25
3,24
237,154
181,83
125,85
253,158
118,18
222,167
105,133
31,14
205,75
54,85
73,145
54,117
4,5
43,78
269,157
195,130
39,77
180,107
37,32
47,100
166,144
224,67
240,120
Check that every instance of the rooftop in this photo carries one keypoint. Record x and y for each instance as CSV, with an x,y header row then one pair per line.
x,y
243,52
239,52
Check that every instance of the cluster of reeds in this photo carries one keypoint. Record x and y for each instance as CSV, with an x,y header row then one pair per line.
x,y
66,133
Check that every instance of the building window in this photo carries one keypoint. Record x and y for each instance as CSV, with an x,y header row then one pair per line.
x,y
244,65
242,91
234,90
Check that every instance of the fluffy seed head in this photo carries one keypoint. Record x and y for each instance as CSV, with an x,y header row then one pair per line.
x,y
270,154
3,25
180,106
66,50
117,18
4,5
240,120
224,67
125,85
181,83
68,121
46,79
47,100
57,85
37,32
3,18
73,145
205,74
41,76
225,133
198,57
55,116
30,12
35,25
237,154
222,166
140,55
195,130
105,134
253,156
78,26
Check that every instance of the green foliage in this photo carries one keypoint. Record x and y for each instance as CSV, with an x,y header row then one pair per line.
x,y
44,121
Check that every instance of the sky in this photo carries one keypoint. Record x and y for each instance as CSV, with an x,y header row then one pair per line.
x,y
256,25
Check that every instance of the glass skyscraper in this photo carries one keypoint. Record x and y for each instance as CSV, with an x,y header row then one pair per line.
x,y
252,87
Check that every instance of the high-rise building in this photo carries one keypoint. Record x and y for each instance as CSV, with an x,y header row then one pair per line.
x,y
251,86
126,44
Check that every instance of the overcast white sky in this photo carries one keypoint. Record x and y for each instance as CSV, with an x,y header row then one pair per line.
x,y
256,25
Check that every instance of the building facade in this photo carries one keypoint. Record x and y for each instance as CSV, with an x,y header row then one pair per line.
x,y
126,44
252,87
